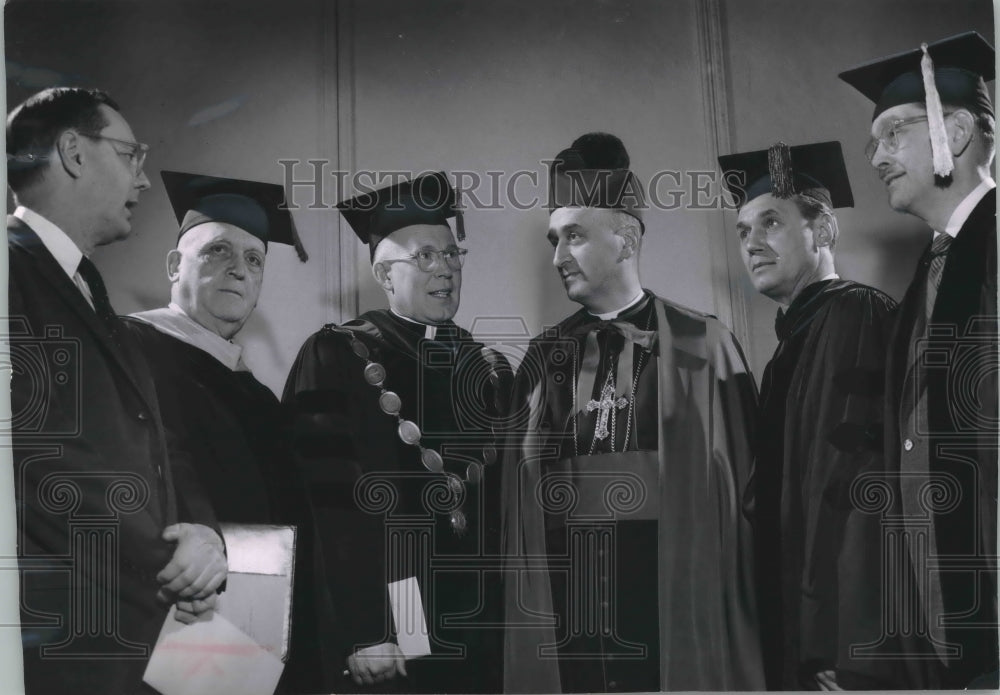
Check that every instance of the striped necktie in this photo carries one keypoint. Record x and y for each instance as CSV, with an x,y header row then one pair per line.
x,y
939,253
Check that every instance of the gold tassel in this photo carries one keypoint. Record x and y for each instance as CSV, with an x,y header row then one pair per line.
x,y
459,222
779,166
940,151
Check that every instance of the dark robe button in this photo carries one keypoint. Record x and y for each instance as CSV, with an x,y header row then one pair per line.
x,y
142,415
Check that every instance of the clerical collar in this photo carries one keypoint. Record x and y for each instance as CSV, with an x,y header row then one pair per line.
x,y
430,329
966,207
608,315
173,321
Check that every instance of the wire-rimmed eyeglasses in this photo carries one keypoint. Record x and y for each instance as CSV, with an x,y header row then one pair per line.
x,y
425,259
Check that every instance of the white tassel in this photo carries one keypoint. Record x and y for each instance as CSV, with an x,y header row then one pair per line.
x,y
940,151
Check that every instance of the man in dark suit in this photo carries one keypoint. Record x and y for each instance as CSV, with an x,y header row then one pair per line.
x,y
932,148
111,530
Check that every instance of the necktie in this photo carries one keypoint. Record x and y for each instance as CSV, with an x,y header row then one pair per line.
x,y
99,293
939,252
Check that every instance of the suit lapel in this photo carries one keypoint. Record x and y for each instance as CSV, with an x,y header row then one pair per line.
x,y
966,269
24,237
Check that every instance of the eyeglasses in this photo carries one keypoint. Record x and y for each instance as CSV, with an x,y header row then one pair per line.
x,y
425,259
889,140
136,154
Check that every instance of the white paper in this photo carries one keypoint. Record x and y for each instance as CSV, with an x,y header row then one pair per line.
x,y
210,657
408,614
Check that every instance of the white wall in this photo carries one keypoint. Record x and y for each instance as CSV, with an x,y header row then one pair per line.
x,y
478,86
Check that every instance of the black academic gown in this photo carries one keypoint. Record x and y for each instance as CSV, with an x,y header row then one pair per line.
x,y
952,441
821,406
383,516
630,570
235,429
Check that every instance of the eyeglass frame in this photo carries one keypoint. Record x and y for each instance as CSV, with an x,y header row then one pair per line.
x,y
136,155
437,256
874,142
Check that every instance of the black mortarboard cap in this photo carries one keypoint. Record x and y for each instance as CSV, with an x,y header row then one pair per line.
x,y
427,199
594,172
817,169
256,208
961,65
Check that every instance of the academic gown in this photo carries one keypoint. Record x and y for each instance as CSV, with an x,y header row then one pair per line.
x,y
941,430
384,517
818,556
630,570
237,435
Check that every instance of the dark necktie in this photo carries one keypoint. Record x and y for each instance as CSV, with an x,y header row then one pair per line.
x,y
99,293
939,253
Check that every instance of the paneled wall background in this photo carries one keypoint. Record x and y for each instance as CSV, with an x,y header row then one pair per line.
x,y
232,88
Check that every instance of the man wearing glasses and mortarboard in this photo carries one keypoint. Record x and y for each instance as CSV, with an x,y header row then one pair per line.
x,y
231,424
396,416
932,145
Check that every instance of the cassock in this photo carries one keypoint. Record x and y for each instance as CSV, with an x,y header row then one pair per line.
x,y
236,432
941,436
629,562
375,401
818,555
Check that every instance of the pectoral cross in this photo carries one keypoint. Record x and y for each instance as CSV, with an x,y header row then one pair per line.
x,y
605,406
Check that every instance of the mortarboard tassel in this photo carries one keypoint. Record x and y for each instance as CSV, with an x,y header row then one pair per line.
x,y
779,166
299,248
935,118
459,219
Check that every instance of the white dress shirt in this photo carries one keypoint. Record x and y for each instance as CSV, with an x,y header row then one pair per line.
x,y
965,208
67,254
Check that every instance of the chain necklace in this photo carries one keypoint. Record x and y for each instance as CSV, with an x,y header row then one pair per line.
x,y
608,389
409,433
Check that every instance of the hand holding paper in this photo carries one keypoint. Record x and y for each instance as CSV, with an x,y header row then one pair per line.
x,y
376,664
198,565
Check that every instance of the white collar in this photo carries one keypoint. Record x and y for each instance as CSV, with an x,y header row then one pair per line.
x,y
173,321
608,315
58,243
966,207
430,330
831,276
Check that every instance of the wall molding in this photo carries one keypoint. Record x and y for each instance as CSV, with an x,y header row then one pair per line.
x,y
342,270
730,298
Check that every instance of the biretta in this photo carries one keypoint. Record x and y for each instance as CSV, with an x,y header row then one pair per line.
x,y
594,172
